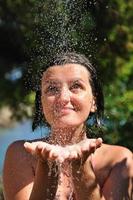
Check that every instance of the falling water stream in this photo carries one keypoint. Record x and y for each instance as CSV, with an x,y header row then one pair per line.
x,y
58,28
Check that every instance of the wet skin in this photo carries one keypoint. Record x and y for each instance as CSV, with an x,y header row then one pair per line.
x,y
67,96
86,167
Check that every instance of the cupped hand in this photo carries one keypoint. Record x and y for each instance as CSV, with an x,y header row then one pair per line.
x,y
46,151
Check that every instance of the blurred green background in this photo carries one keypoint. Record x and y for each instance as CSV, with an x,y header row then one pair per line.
x,y
32,31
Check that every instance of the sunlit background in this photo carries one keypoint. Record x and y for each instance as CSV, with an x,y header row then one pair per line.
x,y
32,32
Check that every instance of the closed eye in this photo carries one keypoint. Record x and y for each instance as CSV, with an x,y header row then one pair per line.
x,y
76,86
52,89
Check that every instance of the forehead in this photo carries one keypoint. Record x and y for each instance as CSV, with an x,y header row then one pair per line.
x,y
67,71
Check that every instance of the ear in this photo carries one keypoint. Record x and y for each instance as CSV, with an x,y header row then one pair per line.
x,y
93,106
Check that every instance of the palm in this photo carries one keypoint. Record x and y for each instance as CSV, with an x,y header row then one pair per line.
x,y
58,153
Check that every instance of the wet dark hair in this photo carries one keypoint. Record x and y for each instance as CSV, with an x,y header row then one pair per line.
x,y
72,58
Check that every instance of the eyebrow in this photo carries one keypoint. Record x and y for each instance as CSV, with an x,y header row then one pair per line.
x,y
55,81
77,80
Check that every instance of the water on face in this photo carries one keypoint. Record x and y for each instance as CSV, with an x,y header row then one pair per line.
x,y
60,26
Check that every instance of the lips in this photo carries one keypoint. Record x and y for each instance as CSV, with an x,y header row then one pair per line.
x,y
64,110
67,108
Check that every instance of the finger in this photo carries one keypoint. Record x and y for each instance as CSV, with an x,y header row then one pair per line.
x,y
29,147
39,149
95,145
77,153
45,151
54,153
41,145
88,145
91,144
78,150
37,152
99,142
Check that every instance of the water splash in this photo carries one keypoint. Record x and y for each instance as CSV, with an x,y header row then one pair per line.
x,y
60,26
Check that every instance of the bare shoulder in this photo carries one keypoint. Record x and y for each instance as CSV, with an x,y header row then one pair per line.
x,y
18,169
15,147
17,153
17,159
112,154
110,157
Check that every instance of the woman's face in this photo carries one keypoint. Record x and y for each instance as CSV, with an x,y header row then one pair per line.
x,y
67,97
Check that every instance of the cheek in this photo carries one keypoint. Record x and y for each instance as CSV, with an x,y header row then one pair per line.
x,y
47,105
86,108
84,102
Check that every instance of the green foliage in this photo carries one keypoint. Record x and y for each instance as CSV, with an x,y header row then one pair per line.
x,y
117,68
34,31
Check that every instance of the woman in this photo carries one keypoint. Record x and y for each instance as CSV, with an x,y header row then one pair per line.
x,y
67,164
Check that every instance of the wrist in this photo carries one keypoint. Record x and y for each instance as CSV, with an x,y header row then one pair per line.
x,y
83,173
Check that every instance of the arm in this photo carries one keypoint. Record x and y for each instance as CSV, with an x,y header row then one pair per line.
x,y
117,186
60,154
85,182
19,180
45,183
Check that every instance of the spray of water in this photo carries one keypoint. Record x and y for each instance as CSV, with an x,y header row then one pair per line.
x,y
58,27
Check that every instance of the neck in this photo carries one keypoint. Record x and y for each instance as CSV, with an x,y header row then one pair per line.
x,y
65,136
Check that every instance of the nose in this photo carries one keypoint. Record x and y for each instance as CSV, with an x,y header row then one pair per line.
x,y
64,96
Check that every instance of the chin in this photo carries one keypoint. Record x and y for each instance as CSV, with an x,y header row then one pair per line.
x,y
68,123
